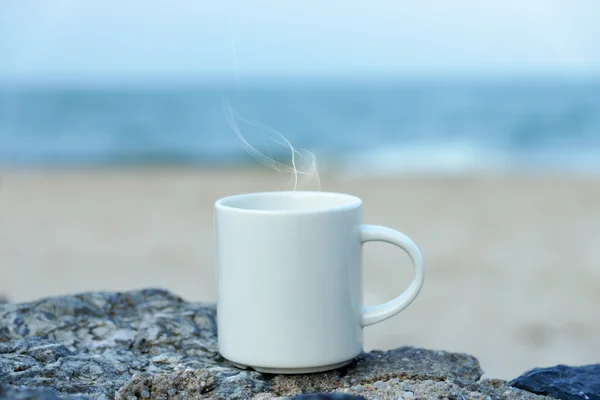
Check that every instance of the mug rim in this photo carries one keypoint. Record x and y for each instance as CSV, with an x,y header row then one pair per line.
x,y
354,202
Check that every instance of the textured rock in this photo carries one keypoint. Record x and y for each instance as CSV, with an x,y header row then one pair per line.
x,y
328,396
562,382
150,344
32,394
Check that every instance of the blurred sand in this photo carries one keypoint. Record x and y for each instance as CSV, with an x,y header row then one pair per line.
x,y
513,264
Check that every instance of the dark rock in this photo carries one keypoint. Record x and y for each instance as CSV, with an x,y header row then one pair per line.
x,y
150,344
32,394
328,396
562,382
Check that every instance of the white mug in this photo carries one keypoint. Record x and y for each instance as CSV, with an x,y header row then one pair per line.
x,y
289,280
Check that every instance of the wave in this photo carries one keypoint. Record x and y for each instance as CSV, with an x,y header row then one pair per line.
x,y
440,159
460,159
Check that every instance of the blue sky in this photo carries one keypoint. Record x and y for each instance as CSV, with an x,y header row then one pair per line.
x,y
112,40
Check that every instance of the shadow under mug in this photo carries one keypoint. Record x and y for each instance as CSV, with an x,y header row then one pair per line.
x,y
289,280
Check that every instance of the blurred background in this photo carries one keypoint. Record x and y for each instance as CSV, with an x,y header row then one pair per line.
x,y
473,127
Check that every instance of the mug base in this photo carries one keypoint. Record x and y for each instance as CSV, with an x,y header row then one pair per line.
x,y
292,371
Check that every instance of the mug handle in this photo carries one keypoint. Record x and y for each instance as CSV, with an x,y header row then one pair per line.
x,y
381,312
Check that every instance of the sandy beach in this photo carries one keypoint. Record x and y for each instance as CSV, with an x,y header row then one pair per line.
x,y
513,264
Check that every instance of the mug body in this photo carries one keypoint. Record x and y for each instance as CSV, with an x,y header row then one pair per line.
x,y
289,280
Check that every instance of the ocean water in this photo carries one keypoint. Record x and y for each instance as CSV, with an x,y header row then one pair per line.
x,y
378,128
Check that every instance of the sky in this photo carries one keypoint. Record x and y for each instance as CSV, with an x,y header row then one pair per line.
x,y
129,40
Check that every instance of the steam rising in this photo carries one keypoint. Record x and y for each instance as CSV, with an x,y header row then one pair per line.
x,y
303,168
303,163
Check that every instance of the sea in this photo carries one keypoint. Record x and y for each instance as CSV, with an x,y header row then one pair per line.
x,y
371,128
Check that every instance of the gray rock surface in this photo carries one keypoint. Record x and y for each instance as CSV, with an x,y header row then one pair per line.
x,y
562,382
328,396
150,344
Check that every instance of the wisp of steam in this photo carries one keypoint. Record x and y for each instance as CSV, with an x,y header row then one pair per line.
x,y
303,163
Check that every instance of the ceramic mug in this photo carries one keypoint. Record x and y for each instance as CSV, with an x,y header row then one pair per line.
x,y
289,280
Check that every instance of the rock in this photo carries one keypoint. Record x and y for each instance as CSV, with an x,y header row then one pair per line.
x,y
150,344
562,382
32,394
328,396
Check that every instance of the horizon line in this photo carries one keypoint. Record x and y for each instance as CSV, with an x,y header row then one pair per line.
x,y
291,81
